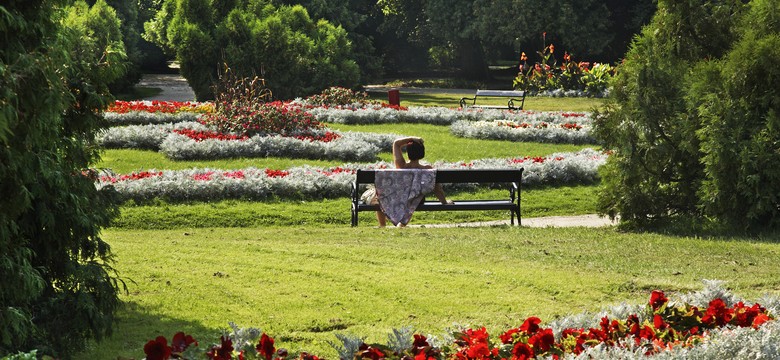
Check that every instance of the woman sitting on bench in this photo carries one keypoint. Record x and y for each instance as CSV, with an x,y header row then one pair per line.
x,y
415,149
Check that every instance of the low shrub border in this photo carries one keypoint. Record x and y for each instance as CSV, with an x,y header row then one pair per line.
x,y
362,114
671,329
569,133
317,183
193,140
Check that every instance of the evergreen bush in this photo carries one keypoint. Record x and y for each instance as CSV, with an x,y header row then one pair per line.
x,y
738,100
656,172
694,121
57,289
296,55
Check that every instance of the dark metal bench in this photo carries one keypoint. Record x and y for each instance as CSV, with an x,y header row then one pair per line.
x,y
512,177
514,96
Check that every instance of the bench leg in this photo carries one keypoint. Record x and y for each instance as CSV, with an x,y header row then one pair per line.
x,y
354,218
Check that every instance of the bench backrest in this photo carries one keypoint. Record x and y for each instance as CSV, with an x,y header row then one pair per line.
x,y
505,93
446,176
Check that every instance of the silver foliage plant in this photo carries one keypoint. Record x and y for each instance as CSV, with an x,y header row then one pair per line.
x,y
400,339
497,130
146,136
362,115
307,182
145,118
351,146
347,346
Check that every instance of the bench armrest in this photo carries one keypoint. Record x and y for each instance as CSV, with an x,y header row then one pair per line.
x,y
463,101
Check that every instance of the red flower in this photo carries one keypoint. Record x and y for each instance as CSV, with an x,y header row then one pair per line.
x,y
522,351
157,349
659,323
419,344
760,319
717,313
531,325
657,299
368,352
506,338
542,341
222,352
265,347
307,356
181,341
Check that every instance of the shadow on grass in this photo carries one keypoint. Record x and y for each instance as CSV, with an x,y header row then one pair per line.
x,y
136,325
699,227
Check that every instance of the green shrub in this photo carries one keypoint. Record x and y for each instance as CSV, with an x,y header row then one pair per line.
x,y
296,55
336,96
739,101
57,289
656,170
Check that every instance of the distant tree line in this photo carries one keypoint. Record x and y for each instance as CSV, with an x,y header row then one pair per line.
x,y
295,51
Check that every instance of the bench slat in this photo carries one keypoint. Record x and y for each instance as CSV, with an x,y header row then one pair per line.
x,y
512,176
502,93
457,176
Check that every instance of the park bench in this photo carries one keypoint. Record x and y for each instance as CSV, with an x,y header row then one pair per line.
x,y
514,96
511,177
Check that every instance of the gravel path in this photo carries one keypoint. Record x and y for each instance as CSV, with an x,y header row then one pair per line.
x,y
175,88
590,221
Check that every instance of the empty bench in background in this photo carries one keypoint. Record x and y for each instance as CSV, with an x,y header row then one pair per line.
x,y
515,102
513,178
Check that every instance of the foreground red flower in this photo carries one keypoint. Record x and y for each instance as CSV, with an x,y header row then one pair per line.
x,y
265,347
181,342
157,349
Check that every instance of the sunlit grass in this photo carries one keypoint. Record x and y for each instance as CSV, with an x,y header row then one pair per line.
x,y
538,103
303,284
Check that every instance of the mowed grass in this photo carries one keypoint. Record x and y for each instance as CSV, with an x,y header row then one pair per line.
x,y
452,100
303,284
536,202
297,270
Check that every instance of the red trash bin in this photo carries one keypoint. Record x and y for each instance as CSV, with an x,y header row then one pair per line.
x,y
394,97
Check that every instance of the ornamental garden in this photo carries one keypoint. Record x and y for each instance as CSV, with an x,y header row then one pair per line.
x,y
701,323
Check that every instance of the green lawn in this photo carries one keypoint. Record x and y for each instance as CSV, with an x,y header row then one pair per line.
x,y
304,283
298,271
531,102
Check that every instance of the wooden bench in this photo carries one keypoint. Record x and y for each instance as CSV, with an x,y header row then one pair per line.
x,y
513,96
511,177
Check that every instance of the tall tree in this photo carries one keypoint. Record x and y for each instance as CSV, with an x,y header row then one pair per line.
x,y
57,288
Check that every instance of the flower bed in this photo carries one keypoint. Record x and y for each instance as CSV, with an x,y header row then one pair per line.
x,y
570,132
374,114
318,183
192,140
717,329
155,112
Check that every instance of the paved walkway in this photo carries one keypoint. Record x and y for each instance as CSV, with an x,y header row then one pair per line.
x,y
174,87
590,220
